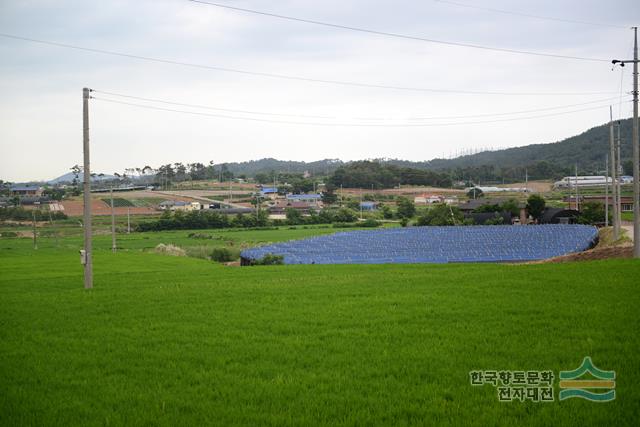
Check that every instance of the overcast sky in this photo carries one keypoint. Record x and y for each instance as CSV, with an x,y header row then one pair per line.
x,y
41,85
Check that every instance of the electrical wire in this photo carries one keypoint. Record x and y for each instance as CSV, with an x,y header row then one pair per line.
x,y
206,107
397,35
292,77
528,15
222,116
183,104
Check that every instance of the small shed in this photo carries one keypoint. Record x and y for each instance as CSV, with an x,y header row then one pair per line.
x,y
559,216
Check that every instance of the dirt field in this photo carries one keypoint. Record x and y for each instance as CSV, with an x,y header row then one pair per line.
x,y
534,186
98,207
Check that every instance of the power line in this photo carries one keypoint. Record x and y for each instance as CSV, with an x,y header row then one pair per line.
x,y
528,15
183,104
254,119
401,36
292,77
206,107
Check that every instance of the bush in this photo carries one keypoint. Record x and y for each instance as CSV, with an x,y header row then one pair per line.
x,y
369,223
21,214
169,250
223,255
441,214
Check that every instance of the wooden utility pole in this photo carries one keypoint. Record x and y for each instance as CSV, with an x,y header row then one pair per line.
x,y
86,254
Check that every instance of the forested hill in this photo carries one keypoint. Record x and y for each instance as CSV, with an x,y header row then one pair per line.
x,y
253,167
547,160
587,149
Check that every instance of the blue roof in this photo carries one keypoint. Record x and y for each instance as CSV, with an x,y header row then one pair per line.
x,y
266,190
365,204
24,187
484,243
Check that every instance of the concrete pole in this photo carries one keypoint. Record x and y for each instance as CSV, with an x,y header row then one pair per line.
x,y
86,258
606,192
617,184
55,232
35,234
636,152
577,194
113,223
616,225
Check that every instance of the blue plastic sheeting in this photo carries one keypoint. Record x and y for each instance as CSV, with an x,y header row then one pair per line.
x,y
485,243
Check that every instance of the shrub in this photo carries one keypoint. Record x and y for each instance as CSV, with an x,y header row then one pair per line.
x,y
223,255
369,223
169,250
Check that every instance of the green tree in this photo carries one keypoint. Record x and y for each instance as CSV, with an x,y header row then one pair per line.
x,y
591,213
441,214
475,193
406,208
536,205
512,206
386,211
345,215
294,217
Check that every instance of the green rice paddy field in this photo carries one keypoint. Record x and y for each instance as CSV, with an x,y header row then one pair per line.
x,y
165,340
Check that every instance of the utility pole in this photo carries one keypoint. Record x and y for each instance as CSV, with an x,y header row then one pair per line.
x,y
617,184
606,192
35,234
55,232
577,195
616,225
86,255
635,144
128,220
113,223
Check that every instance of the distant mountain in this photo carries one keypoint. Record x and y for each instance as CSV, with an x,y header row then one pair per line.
x,y
68,178
541,161
546,160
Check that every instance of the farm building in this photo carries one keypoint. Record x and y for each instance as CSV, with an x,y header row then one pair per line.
x,y
626,203
178,205
26,190
280,207
559,216
471,205
368,206
481,218
427,199
304,197
269,192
